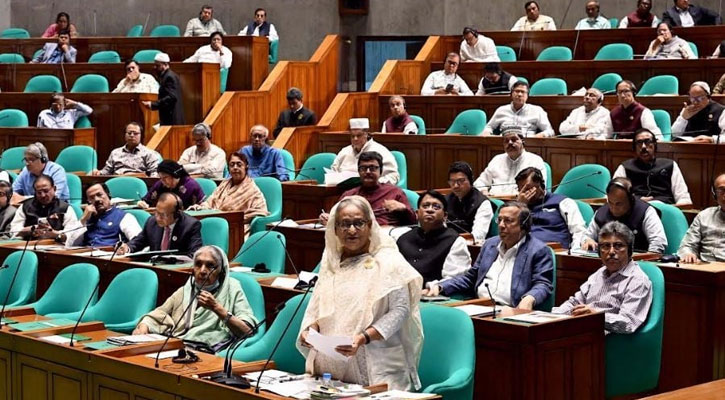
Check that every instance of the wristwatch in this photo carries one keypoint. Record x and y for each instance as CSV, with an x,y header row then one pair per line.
x,y
228,317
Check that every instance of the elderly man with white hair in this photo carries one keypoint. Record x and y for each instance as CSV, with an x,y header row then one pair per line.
x,y
263,159
701,119
169,104
361,141
591,120
204,158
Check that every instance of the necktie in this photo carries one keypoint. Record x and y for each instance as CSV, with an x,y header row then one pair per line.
x,y
166,239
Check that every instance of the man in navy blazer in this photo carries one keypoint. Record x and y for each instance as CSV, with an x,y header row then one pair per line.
x,y
517,267
57,53
169,229
698,15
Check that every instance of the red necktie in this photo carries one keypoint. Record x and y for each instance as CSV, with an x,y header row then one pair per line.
x,y
166,238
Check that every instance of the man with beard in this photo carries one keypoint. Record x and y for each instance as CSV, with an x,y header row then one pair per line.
x,y
264,160
591,120
701,119
169,104
44,216
361,141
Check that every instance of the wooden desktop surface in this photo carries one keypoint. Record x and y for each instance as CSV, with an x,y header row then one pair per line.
x,y
714,390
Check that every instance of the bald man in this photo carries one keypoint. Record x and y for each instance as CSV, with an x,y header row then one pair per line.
x,y
591,120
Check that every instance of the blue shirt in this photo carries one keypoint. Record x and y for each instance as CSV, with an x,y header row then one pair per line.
x,y
268,162
23,185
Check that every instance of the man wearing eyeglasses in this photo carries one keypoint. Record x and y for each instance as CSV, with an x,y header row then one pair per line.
x,y
50,217
701,119
131,158
620,288
7,211
437,252
361,140
653,178
260,26
515,268
704,239
37,163
469,210
136,81
63,113
630,115
446,82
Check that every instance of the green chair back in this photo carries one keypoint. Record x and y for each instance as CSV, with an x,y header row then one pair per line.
x,y
287,357
78,159
83,122
135,31
23,291
586,211
215,231
289,162
14,33
607,83
412,198
263,247
12,158
522,79
146,56
580,189
273,51
223,78
272,190
448,360
314,167
555,53
165,31
421,124
90,83
613,23
37,54
75,206
615,51
69,291
207,185
253,292
632,361
548,87
140,215
548,175
13,118
506,53
317,268
661,84
493,228
106,56
402,168
664,122
674,222
469,122
127,187
43,83
693,46
74,189
11,58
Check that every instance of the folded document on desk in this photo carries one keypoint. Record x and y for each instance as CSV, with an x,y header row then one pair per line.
x,y
536,317
135,339
475,310
326,344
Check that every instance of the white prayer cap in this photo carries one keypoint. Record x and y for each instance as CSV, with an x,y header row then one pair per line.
x,y
162,57
359,123
703,85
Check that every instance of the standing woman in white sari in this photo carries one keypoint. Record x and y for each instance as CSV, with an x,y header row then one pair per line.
x,y
369,292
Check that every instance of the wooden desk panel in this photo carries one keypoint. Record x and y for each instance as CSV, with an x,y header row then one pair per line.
x,y
305,245
307,199
54,140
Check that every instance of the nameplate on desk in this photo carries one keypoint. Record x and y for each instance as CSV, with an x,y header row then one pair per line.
x,y
135,339
581,253
37,325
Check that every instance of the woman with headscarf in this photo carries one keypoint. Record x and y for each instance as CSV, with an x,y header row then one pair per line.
x,y
220,312
173,178
667,46
238,193
366,291
62,22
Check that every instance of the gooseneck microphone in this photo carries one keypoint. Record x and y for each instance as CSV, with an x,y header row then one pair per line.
x,y
597,189
300,284
455,223
575,180
571,238
490,296
15,275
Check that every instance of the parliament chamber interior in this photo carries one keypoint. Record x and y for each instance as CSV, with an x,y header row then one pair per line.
x,y
322,199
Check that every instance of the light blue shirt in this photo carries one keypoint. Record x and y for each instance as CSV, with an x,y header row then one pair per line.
x,y
23,185
599,23
268,162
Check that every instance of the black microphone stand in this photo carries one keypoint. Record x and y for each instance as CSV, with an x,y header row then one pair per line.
x,y
15,275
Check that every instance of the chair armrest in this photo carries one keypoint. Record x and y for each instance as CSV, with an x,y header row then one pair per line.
x,y
458,380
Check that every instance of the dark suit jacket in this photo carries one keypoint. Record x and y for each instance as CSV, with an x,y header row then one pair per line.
x,y
185,237
533,271
169,104
701,16
286,118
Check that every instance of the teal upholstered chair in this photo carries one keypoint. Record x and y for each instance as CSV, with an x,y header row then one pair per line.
x,y
215,231
632,361
43,83
615,51
613,23
13,118
469,122
135,31
402,168
314,167
106,56
165,31
127,187
69,291
272,190
146,56
11,58
263,247
253,292
674,222
522,79
493,228
207,185
693,46
289,163
664,122
506,53
90,83
12,158
129,296
586,211
581,189
607,83
78,159
661,84
412,198
421,124
555,53
286,358
273,51
448,360
140,215
75,205
223,78
23,290
75,190
14,33
83,122
548,175
548,87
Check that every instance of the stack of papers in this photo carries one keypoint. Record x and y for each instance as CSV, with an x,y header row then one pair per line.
x,y
475,310
334,178
95,253
64,338
582,253
135,339
400,395
271,376
164,354
290,283
536,317
326,344
342,391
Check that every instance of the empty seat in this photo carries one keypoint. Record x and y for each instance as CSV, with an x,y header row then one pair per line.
x,y
615,51
313,168
506,53
135,31
607,83
574,184
664,122
43,83
90,83
14,33
13,118
548,87
469,122
11,58
165,30
555,53
146,56
12,158
127,187
78,159
108,56
659,85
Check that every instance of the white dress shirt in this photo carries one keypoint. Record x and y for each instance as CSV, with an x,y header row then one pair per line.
x,y
624,22
680,126
439,80
597,121
272,32
209,163
481,90
205,54
653,230
70,221
679,187
482,221
532,118
685,17
588,23
144,84
346,160
457,262
575,222
500,274
543,23
502,170
129,226
483,51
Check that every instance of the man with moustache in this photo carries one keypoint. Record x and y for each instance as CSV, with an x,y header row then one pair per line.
x,y
642,17
361,140
169,104
532,119
446,82
704,239
469,210
591,120
630,115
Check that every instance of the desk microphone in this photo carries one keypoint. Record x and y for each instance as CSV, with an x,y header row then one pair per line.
x,y
300,283
597,189
491,297
15,275
575,179
455,223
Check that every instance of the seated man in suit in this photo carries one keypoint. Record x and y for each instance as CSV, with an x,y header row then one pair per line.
x,y
518,267
685,14
169,229
44,216
704,239
105,224
57,53
620,288
296,114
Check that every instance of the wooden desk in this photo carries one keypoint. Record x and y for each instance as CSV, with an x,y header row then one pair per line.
x,y
306,199
714,390
54,140
305,245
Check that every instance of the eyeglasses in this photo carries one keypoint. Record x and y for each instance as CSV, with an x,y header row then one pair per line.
x,y
435,206
624,91
28,160
233,164
457,182
718,191
618,246
646,142
163,214
697,99
368,168
357,224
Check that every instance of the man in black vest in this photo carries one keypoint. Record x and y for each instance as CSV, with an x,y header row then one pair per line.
x,y
169,104
701,118
495,80
653,178
435,251
44,216
640,218
296,114
260,26
469,210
